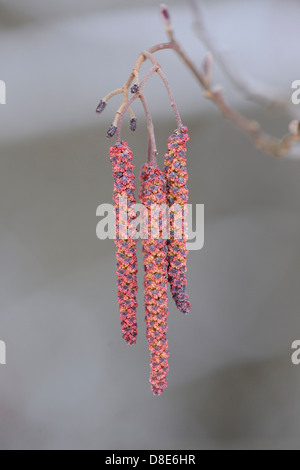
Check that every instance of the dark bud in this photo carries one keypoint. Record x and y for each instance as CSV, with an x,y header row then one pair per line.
x,y
111,131
101,107
133,124
165,13
134,89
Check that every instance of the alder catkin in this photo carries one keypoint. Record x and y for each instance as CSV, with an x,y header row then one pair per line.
x,y
124,186
153,194
177,194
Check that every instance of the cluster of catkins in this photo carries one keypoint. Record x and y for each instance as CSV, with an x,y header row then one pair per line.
x,y
164,258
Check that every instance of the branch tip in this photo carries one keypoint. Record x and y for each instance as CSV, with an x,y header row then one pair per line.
x,y
165,13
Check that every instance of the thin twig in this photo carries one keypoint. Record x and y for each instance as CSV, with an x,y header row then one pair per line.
x,y
257,93
150,130
111,94
129,103
149,153
104,101
152,58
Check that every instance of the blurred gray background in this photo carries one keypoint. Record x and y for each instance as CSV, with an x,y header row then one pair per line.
x,y
70,382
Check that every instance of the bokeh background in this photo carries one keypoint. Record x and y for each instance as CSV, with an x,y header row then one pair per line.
x,y
70,382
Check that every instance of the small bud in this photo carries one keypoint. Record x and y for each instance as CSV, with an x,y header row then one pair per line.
x,y
133,124
135,88
165,13
111,131
101,107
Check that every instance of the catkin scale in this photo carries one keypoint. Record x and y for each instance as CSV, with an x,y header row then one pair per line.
x,y
124,186
177,194
153,192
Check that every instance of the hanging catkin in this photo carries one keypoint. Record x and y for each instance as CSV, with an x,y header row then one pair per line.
x,y
153,196
177,195
123,196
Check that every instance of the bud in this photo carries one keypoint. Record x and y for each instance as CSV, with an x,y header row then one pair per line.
x,y
101,107
111,131
133,124
134,89
165,13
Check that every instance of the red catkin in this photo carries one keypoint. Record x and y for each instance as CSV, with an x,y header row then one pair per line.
x,y
153,193
177,193
124,186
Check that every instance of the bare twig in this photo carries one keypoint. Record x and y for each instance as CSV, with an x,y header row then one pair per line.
x,y
261,140
149,55
102,105
153,153
129,103
255,92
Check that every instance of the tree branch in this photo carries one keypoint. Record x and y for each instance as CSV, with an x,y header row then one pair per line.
x,y
260,140
254,92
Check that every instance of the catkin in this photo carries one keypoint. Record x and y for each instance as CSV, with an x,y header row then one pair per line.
x,y
177,194
124,186
153,195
